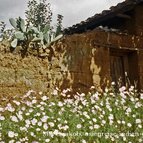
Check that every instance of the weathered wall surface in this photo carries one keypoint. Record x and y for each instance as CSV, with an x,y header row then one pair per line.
x,y
77,61
139,19
88,56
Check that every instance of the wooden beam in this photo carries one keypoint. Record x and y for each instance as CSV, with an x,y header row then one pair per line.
x,y
123,16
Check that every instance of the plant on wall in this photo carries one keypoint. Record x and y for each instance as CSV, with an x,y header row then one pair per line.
x,y
25,35
37,29
2,29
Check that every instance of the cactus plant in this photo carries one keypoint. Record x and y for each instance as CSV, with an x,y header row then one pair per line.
x,y
31,34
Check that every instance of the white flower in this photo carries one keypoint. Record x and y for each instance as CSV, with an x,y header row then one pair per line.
x,y
123,88
129,124
138,104
56,132
128,110
86,133
123,122
51,124
42,108
60,104
123,96
45,126
28,103
84,102
92,87
140,126
111,117
32,134
27,122
44,118
44,98
31,110
96,126
138,121
118,121
86,115
23,129
16,102
65,127
39,124
34,101
84,141
38,129
38,114
28,93
103,122
124,139
133,115
55,92
94,120
140,140
132,99
34,121
40,92
106,90
2,118
11,134
11,141
1,109
113,83
47,140
110,122
141,96
10,109
91,127
23,108
14,119
19,116
79,126
122,134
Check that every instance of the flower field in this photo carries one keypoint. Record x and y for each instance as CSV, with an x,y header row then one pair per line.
x,y
85,118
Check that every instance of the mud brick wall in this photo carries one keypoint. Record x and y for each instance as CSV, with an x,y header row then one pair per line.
x,y
140,63
18,75
87,56
139,19
77,61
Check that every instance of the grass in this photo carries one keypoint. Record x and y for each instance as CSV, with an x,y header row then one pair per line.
x,y
93,118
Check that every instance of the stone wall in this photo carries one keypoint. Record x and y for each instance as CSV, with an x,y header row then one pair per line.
x,y
77,61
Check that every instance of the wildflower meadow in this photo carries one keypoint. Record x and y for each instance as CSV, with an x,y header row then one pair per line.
x,y
80,118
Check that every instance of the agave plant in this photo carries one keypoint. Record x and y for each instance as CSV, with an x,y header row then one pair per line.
x,y
27,34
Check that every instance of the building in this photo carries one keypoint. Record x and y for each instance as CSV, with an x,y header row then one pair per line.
x,y
107,47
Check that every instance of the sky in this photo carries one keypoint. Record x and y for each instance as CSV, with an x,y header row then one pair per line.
x,y
74,11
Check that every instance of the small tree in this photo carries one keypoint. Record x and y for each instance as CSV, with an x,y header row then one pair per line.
x,y
59,24
39,13
2,29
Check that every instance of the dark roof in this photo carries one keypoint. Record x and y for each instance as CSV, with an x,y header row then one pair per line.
x,y
98,19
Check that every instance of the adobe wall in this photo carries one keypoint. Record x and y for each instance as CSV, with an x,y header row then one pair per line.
x,y
77,61
139,19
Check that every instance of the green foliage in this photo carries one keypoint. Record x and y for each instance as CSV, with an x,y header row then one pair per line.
x,y
83,118
39,13
59,24
36,31
26,35
2,29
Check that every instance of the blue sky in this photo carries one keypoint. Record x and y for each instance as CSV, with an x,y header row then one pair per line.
x,y
73,11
